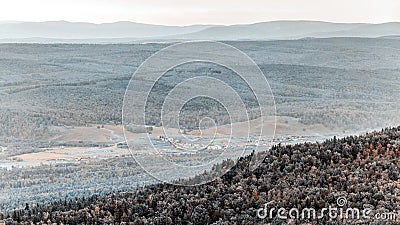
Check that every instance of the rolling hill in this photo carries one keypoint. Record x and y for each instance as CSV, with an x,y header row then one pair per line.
x,y
125,32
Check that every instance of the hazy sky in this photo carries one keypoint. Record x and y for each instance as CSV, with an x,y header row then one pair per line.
x,y
184,12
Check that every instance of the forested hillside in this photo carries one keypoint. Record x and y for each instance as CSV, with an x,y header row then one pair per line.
x,y
363,169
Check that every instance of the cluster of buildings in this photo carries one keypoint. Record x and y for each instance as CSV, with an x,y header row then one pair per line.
x,y
189,146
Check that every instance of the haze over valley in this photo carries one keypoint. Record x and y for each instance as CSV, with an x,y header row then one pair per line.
x,y
61,108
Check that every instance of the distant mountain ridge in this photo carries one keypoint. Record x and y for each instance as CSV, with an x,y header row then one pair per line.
x,y
81,30
121,32
297,30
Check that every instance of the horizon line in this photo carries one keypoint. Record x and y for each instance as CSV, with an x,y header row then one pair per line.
x,y
195,24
